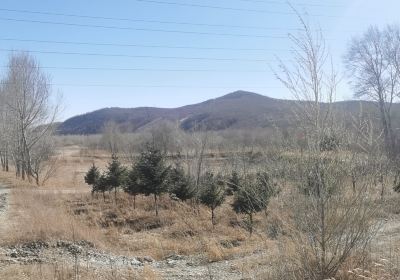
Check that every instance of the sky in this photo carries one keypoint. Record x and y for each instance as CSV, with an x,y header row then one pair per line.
x,y
170,53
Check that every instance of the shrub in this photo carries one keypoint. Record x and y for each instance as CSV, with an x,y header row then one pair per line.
x,y
329,143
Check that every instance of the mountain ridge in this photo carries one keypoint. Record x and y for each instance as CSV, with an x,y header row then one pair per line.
x,y
239,109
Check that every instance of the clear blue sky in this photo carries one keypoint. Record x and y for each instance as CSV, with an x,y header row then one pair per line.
x,y
223,62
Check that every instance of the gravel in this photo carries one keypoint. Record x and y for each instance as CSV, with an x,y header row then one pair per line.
x,y
172,267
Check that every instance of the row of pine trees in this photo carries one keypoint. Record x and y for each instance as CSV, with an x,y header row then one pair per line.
x,y
150,175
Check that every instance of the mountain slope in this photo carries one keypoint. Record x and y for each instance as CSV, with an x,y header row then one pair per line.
x,y
236,110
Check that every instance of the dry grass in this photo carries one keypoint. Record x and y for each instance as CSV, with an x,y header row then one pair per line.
x,y
179,229
73,163
41,215
63,271
64,209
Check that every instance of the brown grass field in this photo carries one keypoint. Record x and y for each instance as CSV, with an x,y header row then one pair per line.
x,y
64,209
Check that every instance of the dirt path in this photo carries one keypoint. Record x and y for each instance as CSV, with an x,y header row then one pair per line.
x,y
4,192
174,267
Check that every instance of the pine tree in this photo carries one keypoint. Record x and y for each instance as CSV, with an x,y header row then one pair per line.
x,y
213,193
101,185
233,183
396,188
180,184
115,174
152,173
92,176
132,185
254,195
319,182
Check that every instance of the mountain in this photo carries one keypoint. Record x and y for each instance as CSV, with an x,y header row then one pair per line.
x,y
237,110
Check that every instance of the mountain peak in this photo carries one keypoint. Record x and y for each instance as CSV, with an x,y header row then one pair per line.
x,y
241,94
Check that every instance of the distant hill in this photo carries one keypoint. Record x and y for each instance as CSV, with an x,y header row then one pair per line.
x,y
235,110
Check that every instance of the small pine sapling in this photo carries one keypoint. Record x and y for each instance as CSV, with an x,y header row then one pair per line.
x,y
254,195
132,185
152,173
213,193
115,174
180,184
92,176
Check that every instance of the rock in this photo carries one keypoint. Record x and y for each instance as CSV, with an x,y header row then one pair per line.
x,y
72,248
85,243
146,259
172,263
136,262
175,257
230,243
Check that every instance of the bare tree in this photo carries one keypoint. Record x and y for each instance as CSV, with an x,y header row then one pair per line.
x,y
166,136
374,65
31,115
330,222
201,146
44,160
312,80
111,138
5,128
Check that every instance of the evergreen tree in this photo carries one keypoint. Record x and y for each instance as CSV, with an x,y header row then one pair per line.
x,y
180,184
329,143
101,185
92,176
319,182
132,185
213,193
253,196
396,188
152,173
234,182
115,174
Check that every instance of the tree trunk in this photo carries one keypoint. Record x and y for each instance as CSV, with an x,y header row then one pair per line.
x,y
387,129
23,171
323,240
212,217
18,169
251,223
156,204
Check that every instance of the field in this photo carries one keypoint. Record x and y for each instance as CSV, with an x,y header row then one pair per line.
x,y
62,231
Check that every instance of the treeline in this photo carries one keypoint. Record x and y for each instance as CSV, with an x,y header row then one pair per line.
x,y
26,118
150,175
